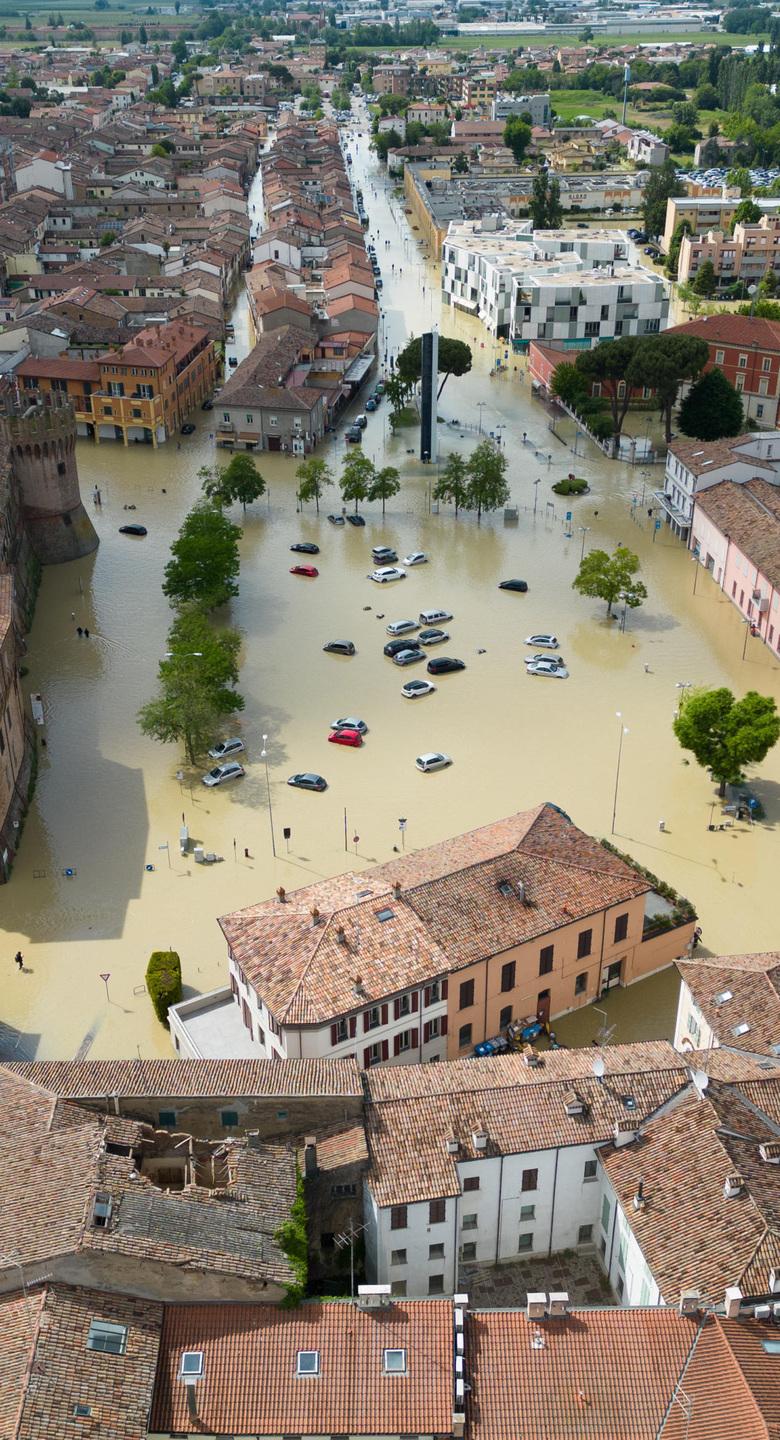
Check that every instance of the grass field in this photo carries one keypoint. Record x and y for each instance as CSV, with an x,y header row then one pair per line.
x,y
538,42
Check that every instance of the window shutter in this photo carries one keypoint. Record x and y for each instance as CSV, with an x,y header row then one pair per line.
x,y
427,996
396,1009
444,989
415,1037
396,1045
443,1025
426,1032
366,1057
384,1014
352,1026
415,1000
334,1034
385,1049
365,1021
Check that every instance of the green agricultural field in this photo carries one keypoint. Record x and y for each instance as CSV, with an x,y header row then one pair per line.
x,y
535,41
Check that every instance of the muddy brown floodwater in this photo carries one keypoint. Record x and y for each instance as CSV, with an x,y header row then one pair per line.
x,y
108,799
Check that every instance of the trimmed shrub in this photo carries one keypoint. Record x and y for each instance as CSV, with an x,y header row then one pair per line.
x,y
602,427
576,486
163,981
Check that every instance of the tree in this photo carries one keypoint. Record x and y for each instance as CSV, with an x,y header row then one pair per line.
x,y
746,213
611,577
486,470
545,205
725,734
517,136
240,480
397,392
453,484
712,408
662,184
197,682
739,179
385,484
569,384
357,477
705,281
454,359
609,364
673,255
460,164
204,560
142,34
312,475
163,982
662,363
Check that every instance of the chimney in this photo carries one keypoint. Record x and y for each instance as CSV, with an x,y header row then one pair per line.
x,y
397,889
639,1197
479,1137
774,1281
310,1166
625,1131
452,1145
689,1302
558,1303
574,1103
732,1301
536,1305
732,1187
315,915
192,1409
281,894
341,935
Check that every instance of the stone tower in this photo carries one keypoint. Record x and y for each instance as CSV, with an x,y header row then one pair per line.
x,y
41,438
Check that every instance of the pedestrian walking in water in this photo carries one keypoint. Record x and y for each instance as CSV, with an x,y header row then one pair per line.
x,y
86,632
79,631
19,960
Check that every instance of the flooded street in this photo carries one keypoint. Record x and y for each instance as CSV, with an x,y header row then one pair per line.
x,y
107,798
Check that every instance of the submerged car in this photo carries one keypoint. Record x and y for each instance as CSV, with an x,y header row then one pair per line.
x,y
432,637
394,647
414,689
346,737
540,655
336,519
548,667
433,760
307,780
188,429
410,656
231,771
383,555
356,520
401,627
444,665
386,574
353,435
371,405
520,585
133,530
350,723
339,647
544,641
306,547
417,557
310,571
226,747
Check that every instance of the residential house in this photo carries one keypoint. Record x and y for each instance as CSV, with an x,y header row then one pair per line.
x,y
426,112
543,361
693,466
731,1001
645,148
536,105
267,403
708,212
736,528
391,79
583,307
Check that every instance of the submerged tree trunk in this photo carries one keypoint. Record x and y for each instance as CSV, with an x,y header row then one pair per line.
x,y
722,788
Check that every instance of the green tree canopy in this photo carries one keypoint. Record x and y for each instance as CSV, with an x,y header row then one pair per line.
x,y
545,207
705,281
725,734
454,359
663,362
313,477
453,482
240,480
487,486
385,484
517,136
661,185
746,213
196,681
357,476
611,577
569,384
712,408
610,364
204,563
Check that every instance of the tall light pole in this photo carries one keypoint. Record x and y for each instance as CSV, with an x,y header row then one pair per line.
x,y
264,756
623,731
585,530
537,483
480,406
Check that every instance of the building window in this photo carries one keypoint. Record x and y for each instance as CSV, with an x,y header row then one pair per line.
x,y
225,415
525,1241
372,1019
229,1117
107,1338
398,1287
464,1036
766,363
546,959
585,1235
759,411
470,1222
527,1212
167,1118
584,943
508,976
505,1017
397,1257
530,1180
720,356
436,1252
433,993
398,1217
742,362
739,383
437,1212
471,1182
589,1171
621,927
466,994
435,1284
308,1362
581,983
606,1211
468,1251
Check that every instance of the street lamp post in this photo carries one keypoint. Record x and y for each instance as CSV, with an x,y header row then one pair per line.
x,y
537,483
480,406
585,530
748,630
264,756
623,731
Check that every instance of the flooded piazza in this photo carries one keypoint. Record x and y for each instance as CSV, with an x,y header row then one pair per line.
x,y
107,798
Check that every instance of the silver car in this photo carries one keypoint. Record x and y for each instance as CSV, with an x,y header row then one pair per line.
x,y
224,748
231,771
433,760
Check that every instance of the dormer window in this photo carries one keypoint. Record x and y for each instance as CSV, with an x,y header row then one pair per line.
x,y
308,1362
101,1211
395,1362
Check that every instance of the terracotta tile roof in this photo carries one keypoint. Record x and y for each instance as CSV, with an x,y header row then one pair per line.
x,y
341,1145
730,329
749,514
754,982
702,457
189,1079
597,1375
250,1386
732,1384
6,605
448,914
722,1063
19,1319
691,1235
409,1161
55,368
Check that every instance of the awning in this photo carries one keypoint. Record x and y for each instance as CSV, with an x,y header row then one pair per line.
x,y
671,509
359,369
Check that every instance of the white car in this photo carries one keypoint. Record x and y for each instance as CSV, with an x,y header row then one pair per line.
x,y
432,636
545,642
549,667
434,617
417,557
401,627
387,573
434,760
540,655
413,689
350,723
231,771
226,747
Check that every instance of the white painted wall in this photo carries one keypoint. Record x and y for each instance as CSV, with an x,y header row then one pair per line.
x,y
629,1273
691,1030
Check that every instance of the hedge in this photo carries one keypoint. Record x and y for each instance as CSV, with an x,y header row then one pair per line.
x,y
163,981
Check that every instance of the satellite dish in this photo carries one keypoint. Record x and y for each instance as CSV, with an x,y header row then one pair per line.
x,y
599,1068
701,1080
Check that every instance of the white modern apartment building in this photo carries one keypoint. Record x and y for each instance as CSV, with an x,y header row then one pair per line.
x,y
482,259
579,310
537,106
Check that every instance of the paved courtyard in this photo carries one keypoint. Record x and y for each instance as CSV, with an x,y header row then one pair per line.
x,y
575,1271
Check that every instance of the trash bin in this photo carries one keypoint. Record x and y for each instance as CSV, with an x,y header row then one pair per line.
x,y
199,855
184,840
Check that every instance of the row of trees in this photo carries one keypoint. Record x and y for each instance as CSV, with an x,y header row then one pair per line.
x,y
658,362
360,480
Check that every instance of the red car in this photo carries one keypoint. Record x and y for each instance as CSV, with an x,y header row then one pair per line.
x,y
310,571
346,737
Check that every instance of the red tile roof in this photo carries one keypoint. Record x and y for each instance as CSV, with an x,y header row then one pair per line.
x,y
754,982
730,329
190,1079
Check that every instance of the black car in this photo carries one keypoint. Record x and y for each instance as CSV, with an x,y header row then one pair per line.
x,y
394,647
132,530
444,665
339,647
336,519
305,547
188,429
207,405
356,520
353,435
520,585
308,781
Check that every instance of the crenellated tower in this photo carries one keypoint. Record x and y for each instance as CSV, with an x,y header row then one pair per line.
x,y
41,438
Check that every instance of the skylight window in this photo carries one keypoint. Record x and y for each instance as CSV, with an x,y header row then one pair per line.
x,y
395,1362
191,1363
741,1029
385,915
505,888
107,1338
81,1412
308,1362
723,996
772,1347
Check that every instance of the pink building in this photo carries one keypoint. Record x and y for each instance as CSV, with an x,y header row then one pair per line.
x,y
735,533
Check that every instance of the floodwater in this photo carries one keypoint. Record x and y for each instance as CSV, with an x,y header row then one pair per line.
x,y
108,799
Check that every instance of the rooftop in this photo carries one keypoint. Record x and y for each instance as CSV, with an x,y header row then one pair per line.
x,y
749,515
738,990
188,1079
